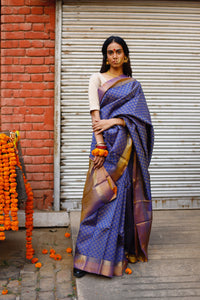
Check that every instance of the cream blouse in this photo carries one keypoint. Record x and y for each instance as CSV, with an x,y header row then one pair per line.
x,y
96,80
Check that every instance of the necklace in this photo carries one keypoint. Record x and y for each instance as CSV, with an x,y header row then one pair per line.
x,y
113,75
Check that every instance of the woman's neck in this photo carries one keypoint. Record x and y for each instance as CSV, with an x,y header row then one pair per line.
x,y
115,72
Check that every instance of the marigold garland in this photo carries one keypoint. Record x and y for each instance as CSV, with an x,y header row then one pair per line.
x,y
9,159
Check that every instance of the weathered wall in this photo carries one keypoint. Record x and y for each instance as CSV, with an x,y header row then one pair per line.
x,y
27,87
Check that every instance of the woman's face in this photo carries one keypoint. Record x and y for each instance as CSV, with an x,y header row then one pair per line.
x,y
115,55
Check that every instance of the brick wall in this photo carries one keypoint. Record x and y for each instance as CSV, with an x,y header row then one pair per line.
x,y
27,87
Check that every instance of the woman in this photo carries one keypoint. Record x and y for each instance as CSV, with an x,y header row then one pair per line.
x,y
116,207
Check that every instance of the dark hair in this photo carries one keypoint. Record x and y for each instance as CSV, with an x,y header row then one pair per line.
x,y
126,66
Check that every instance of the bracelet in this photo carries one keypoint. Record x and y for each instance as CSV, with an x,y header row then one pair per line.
x,y
101,143
100,152
101,147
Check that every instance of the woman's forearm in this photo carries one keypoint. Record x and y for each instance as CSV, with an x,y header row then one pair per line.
x,y
95,115
118,121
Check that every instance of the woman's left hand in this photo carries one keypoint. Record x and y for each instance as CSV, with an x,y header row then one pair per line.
x,y
101,125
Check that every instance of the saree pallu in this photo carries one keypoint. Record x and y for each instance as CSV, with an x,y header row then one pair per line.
x,y
116,206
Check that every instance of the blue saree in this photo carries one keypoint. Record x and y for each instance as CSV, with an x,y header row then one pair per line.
x,y
116,206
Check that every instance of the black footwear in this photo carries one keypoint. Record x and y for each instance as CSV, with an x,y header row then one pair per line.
x,y
78,273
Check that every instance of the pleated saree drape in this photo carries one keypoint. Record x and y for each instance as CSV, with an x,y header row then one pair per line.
x,y
116,206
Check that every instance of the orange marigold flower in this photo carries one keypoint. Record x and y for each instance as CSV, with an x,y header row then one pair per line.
x,y
69,250
34,260
44,251
57,257
4,292
38,265
128,271
67,234
52,255
52,251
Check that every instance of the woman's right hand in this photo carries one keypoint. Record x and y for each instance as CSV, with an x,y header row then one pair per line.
x,y
98,161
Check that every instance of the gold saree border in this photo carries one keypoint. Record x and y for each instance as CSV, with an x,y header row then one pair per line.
x,y
100,267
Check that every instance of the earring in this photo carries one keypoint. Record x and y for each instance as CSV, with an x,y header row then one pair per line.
x,y
125,59
107,62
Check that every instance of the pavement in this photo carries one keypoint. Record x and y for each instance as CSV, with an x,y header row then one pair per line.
x,y
23,280
172,272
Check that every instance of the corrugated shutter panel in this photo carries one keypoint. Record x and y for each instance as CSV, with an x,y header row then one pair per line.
x,y
164,41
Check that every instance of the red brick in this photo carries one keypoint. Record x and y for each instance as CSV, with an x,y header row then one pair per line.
x,y
38,27
37,69
39,127
52,51
6,10
48,115
49,85
37,19
26,126
20,110
12,102
9,27
49,93
49,159
14,2
6,60
37,160
25,44
25,26
37,52
9,44
10,85
36,176
37,10
16,60
49,44
52,69
13,52
25,61
48,176
49,60
37,77
34,85
12,19
49,77
36,2
21,77
37,44
27,159
36,93
12,69
24,10
37,110
33,119
36,35
40,184
9,126
6,110
38,60
6,93
22,93
12,119
52,35
37,151
37,135
26,143
6,77
13,35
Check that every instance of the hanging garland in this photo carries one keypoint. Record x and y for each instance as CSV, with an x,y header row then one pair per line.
x,y
9,159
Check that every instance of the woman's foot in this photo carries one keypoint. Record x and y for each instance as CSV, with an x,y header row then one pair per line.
x,y
78,273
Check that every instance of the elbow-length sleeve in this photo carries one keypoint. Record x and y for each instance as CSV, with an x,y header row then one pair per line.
x,y
94,84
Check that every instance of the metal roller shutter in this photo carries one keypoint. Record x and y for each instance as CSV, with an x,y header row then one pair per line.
x,y
164,41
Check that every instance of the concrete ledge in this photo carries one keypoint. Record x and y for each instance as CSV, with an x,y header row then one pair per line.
x,y
46,218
